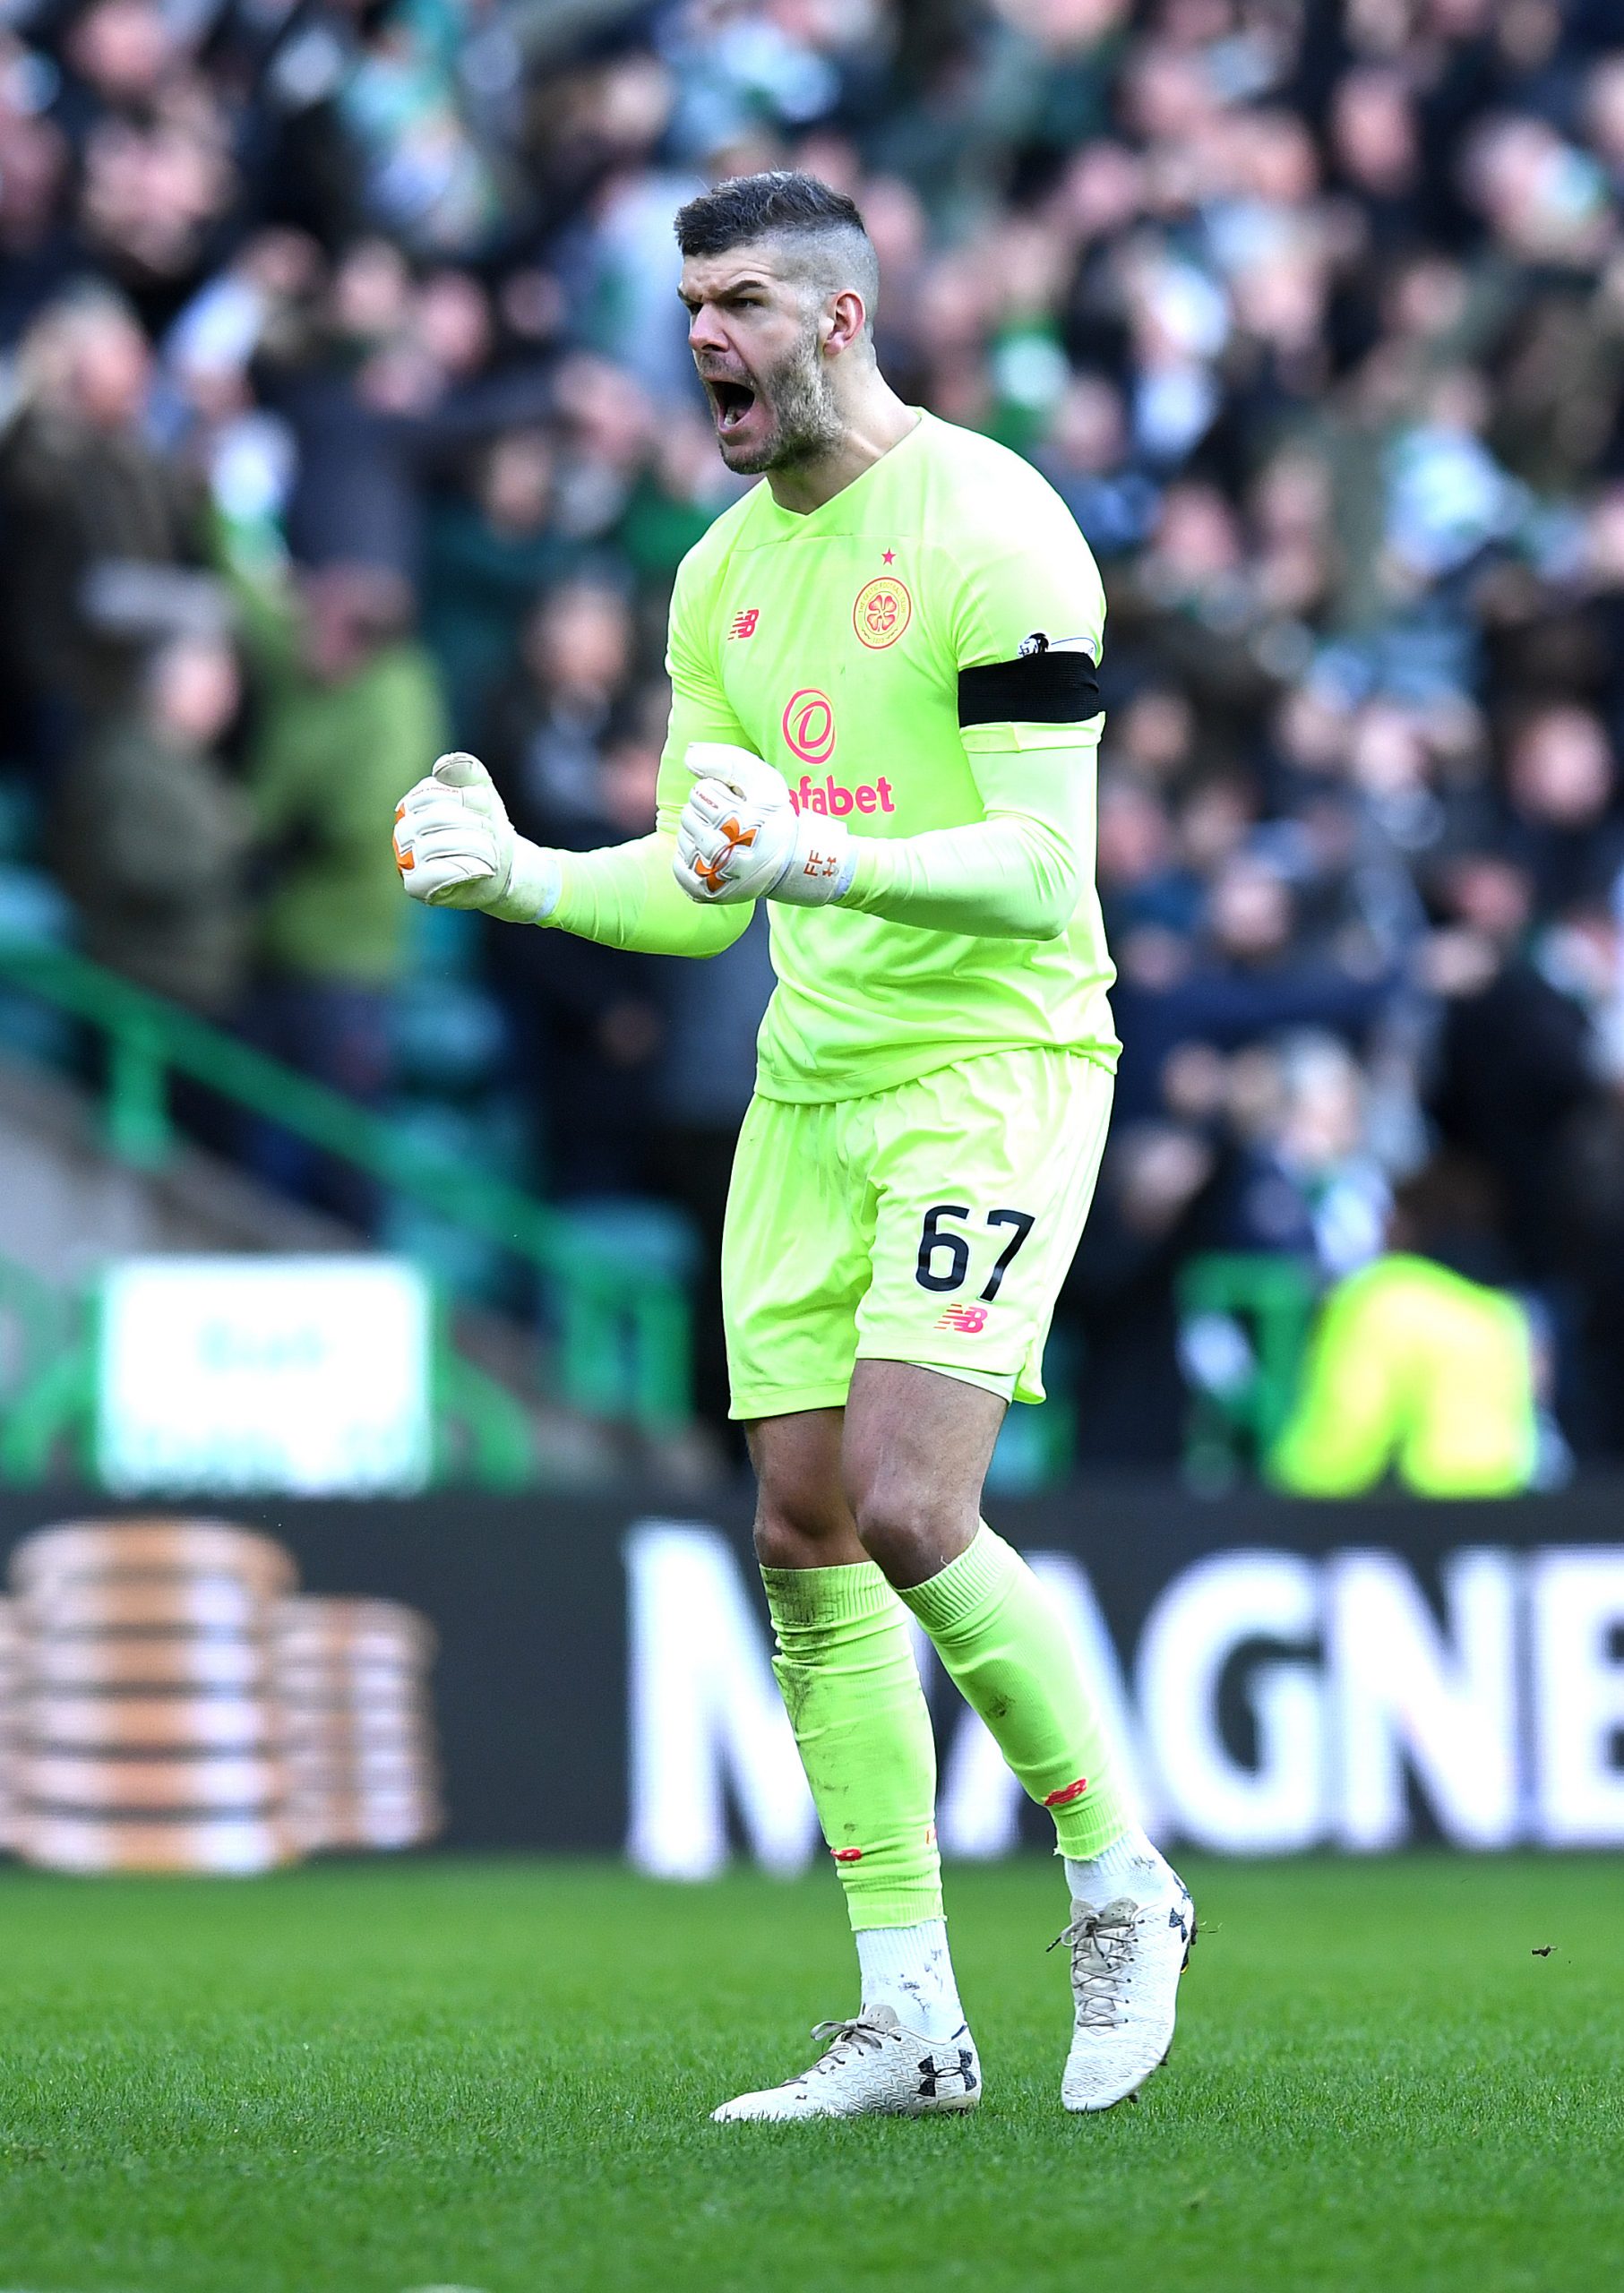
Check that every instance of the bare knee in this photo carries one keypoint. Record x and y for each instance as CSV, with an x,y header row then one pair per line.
x,y
908,1527
803,1520
798,1528
915,1455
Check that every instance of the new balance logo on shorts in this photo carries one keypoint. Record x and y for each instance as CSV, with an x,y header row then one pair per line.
x,y
969,1319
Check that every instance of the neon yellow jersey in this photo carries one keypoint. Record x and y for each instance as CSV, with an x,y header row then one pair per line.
x,y
831,644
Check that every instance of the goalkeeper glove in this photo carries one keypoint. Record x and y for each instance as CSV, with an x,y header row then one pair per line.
x,y
455,847
740,838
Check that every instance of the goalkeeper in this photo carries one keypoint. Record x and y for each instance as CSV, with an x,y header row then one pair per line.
x,y
884,718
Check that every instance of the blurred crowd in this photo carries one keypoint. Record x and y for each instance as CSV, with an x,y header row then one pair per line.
x,y
347,413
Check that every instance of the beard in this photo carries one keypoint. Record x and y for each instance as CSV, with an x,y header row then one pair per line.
x,y
805,422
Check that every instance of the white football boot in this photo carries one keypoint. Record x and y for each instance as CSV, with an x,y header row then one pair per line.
x,y
872,2066
1126,1960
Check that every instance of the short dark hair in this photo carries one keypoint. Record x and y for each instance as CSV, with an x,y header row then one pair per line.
x,y
830,245
773,205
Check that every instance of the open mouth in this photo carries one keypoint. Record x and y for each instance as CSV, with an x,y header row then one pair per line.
x,y
732,401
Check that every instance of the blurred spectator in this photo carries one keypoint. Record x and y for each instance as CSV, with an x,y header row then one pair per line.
x,y
1415,1370
681,490
710,1016
578,768
1375,143
1298,1176
116,54
1512,1065
1567,831
1246,978
1086,457
348,718
1148,1216
35,248
544,734
345,379
427,174
153,835
83,494
1144,886
489,552
156,190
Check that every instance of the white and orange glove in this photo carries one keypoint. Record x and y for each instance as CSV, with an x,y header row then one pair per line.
x,y
455,847
740,838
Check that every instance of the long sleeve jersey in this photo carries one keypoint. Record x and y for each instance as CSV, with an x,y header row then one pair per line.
x,y
915,655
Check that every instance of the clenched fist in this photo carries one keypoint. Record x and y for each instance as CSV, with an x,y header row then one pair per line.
x,y
740,838
455,847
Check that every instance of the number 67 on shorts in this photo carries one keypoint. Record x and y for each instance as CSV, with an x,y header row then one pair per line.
x,y
933,1222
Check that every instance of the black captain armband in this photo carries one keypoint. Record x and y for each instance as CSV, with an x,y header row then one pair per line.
x,y
1043,685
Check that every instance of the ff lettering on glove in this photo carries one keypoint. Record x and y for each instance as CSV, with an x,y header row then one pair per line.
x,y
740,838
455,847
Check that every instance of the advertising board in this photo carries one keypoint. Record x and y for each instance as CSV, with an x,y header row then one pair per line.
x,y
307,1374
1286,1677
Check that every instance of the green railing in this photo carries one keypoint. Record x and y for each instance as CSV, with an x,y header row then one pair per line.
x,y
623,1338
45,1370
1257,1308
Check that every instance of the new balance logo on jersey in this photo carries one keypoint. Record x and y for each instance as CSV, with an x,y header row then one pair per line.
x,y
744,624
934,2067
970,1321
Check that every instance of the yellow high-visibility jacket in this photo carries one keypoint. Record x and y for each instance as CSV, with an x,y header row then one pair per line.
x,y
1415,1371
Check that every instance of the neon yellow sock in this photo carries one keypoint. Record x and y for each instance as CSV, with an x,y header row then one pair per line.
x,y
1009,1654
852,1691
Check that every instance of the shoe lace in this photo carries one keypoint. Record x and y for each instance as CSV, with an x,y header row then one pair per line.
x,y
1102,1944
841,2039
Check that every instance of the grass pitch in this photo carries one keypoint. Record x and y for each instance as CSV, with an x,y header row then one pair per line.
x,y
495,2076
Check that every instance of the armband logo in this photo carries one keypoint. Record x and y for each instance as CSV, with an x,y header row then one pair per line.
x,y
1040,642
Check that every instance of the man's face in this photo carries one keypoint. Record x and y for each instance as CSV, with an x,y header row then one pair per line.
x,y
758,348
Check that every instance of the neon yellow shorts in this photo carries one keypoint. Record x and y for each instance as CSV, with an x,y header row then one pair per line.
x,y
932,1223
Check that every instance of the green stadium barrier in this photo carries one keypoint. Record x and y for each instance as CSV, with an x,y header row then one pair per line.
x,y
623,1333
46,1390
1263,1303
